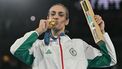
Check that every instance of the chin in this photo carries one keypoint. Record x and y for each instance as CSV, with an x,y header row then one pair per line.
x,y
56,29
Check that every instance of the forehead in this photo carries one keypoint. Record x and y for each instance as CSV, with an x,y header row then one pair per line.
x,y
57,8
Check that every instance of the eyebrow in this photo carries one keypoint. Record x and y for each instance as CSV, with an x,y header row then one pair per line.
x,y
58,12
53,11
61,12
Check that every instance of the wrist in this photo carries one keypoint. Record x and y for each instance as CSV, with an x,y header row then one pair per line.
x,y
103,31
38,31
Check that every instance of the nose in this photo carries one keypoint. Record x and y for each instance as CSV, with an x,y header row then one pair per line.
x,y
56,17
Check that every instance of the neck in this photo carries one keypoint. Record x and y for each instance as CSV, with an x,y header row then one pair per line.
x,y
56,32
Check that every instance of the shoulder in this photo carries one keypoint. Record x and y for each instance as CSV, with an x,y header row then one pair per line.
x,y
74,40
38,42
77,40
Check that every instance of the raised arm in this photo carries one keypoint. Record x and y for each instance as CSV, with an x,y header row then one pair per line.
x,y
23,47
106,55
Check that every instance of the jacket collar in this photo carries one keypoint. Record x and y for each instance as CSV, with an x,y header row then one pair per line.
x,y
48,35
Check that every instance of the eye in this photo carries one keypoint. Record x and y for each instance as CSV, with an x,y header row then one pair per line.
x,y
61,14
52,13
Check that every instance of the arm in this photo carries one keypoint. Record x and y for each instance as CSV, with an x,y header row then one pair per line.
x,y
104,57
22,47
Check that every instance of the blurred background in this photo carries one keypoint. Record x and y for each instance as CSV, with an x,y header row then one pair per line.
x,y
20,16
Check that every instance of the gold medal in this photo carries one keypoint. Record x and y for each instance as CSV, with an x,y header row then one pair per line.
x,y
52,23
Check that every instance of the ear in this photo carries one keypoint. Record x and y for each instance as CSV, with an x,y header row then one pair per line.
x,y
67,22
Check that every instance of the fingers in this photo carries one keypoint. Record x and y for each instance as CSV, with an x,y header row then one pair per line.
x,y
47,24
43,23
100,22
98,19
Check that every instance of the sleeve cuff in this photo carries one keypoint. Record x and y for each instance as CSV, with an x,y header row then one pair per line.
x,y
36,32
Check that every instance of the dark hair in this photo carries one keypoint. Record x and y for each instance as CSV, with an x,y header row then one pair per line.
x,y
67,12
